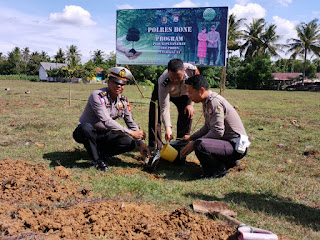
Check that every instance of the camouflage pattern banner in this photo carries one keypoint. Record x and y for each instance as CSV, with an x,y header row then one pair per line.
x,y
154,36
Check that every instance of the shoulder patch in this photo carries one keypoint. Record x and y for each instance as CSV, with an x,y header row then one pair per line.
x,y
102,101
165,82
123,98
102,94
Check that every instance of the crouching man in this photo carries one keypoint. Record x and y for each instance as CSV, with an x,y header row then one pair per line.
x,y
223,139
98,130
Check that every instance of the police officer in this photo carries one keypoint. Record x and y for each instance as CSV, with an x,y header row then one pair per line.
x,y
98,130
171,87
216,143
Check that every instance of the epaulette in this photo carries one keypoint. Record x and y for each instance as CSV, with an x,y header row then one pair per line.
x,y
102,94
123,98
165,82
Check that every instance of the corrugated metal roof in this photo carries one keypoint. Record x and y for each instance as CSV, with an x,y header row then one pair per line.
x,y
47,65
285,76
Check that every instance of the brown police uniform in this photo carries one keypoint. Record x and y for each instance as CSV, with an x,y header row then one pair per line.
x,y
166,91
214,142
98,129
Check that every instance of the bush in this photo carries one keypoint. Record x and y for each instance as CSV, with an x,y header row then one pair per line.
x,y
32,78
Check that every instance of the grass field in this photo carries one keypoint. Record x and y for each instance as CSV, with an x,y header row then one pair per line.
x,y
276,187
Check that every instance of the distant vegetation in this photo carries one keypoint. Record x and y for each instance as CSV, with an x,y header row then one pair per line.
x,y
250,53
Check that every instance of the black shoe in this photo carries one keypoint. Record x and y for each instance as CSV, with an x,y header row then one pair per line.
x,y
100,165
215,174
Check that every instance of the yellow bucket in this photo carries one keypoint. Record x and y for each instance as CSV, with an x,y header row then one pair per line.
x,y
168,152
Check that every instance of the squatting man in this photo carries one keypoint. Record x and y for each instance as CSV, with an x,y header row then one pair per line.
x,y
222,140
98,130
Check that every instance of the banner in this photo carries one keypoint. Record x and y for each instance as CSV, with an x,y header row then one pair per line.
x,y
154,36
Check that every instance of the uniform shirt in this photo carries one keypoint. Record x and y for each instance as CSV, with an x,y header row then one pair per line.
x,y
221,120
213,36
168,89
101,111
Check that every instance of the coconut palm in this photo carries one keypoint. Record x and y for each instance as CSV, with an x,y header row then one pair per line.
x,y
252,37
44,56
97,56
269,38
234,34
73,56
308,41
60,56
26,54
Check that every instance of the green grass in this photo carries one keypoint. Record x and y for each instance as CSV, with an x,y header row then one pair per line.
x,y
277,189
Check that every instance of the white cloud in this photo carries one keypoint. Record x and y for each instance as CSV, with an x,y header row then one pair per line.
x,y
40,34
250,11
242,2
73,15
285,2
185,3
125,6
285,28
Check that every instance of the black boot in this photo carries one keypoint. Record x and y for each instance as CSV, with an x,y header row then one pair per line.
x,y
101,166
214,172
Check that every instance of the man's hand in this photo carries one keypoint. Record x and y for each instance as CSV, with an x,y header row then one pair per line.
x,y
186,150
190,110
168,135
185,137
138,134
143,148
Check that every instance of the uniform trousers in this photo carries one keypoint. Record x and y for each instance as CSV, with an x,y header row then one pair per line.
x,y
216,154
183,123
101,144
213,52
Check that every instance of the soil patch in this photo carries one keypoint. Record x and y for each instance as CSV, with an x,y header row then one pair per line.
x,y
37,203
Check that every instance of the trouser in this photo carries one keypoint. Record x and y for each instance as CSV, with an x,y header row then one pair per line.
x,y
101,144
215,154
183,123
213,52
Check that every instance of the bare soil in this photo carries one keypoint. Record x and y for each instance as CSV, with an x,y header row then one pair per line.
x,y
37,203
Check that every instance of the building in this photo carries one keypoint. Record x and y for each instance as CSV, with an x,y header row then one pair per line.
x,y
44,66
282,80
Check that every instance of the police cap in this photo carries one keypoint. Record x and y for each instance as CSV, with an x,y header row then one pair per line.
x,y
120,74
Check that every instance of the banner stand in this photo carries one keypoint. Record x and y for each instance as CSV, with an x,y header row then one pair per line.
x,y
223,81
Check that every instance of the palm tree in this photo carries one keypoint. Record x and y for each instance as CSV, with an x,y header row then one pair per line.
x,y
26,54
44,56
269,39
97,56
73,56
234,34
308,41
60,56
252,37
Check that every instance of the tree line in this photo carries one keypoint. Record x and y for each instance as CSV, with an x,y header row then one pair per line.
x,y
249,57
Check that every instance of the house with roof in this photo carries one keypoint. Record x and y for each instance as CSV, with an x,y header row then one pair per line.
x,y
284,79
44,66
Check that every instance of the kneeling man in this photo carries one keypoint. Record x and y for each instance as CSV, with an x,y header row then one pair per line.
x,y
98,130
223,139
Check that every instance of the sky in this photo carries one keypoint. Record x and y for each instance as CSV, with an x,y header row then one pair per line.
x,y
91,24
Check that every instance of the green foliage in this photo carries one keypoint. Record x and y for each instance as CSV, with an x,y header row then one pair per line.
x,y
256,73
233,67
213,75
20,77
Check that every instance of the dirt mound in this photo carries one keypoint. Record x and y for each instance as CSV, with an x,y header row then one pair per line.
x,y
36,203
